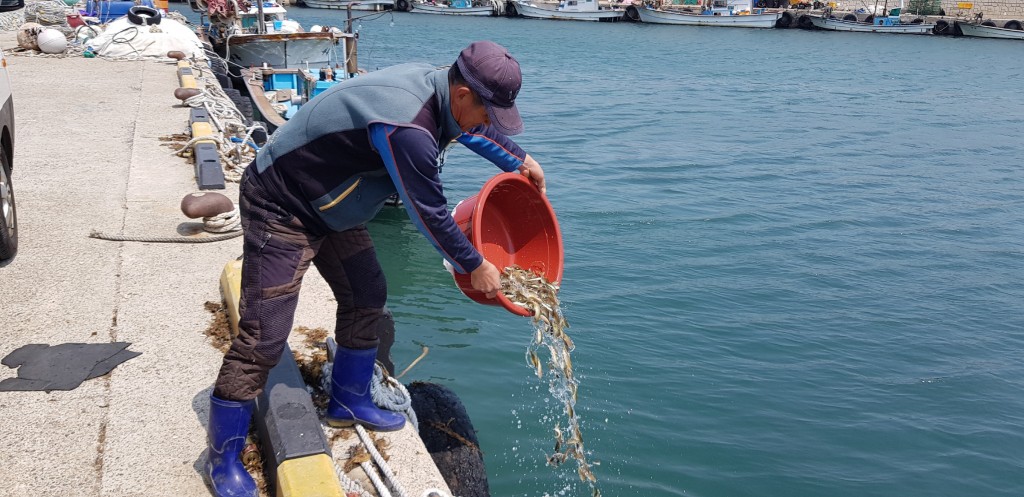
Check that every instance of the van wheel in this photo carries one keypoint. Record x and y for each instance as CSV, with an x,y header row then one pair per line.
x,y
8,212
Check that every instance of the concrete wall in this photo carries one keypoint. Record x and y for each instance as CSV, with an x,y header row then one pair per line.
x,y
993,9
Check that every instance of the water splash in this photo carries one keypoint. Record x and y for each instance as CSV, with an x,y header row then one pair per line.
x,y
533,292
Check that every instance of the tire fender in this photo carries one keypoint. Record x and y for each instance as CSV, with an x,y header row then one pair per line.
x,y
140,15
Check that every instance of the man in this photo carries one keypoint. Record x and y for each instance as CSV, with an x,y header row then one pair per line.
x,y
306,198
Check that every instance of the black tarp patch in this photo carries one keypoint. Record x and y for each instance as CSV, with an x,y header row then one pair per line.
x,y
63,366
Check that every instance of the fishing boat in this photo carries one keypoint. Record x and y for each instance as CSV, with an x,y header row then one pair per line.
x,y
879,24
371,5
727,13
455,8
1010,31
571,10
263,36
277,94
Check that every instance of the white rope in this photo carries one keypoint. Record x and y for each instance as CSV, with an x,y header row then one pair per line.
x,y
381,463
223,223
229,122
393,395
349,485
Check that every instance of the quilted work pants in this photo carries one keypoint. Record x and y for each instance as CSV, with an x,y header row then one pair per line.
x,y
277,251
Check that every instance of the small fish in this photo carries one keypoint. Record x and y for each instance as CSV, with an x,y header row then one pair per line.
x,y
535,362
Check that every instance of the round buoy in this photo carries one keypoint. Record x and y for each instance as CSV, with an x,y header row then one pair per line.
x,y
27,35
52,41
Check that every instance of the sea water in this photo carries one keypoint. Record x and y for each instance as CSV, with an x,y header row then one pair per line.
x,y
793,259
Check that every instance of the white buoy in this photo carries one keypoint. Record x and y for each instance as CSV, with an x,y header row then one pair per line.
x,y
316,28
52,41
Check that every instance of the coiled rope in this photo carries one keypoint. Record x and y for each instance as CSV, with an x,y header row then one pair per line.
x,y
49,13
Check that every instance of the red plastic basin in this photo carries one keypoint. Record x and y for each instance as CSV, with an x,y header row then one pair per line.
x,y
510,223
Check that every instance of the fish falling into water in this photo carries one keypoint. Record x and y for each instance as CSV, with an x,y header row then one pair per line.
x,y
527,289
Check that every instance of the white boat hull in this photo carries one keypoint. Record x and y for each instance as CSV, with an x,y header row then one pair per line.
x,y
542,13
423,8
979,31
860,27
371,5
654,16
292,50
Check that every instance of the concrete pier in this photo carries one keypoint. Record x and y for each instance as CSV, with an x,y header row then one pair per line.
x,y
89,155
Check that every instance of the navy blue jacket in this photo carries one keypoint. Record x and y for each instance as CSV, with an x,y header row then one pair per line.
x,y
346,151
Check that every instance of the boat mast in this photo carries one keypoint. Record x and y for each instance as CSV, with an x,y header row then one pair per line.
x,y
261,25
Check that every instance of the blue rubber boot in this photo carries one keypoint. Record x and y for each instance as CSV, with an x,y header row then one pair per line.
x,y
350,393
225,435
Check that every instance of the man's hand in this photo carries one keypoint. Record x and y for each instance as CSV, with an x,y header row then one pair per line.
x,y
487,279
533,172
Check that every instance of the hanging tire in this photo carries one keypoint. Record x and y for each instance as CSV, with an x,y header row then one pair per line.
x,y
989,23
870,19
941,27
1013,25
510,10
8,212
449,436
850,17
804,22
220,70
242,103
785,20
259,137
140,15
402,5
632,14
917,21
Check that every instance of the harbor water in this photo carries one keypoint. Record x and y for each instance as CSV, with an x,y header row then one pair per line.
x,y
793,259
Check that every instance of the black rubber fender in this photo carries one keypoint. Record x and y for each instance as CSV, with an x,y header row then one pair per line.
x,y
632,14
1014,24
850,17
220,70
989,23
402,5
804,22
242,103
941,27
785,20
510,9
449,436
917,21
141,15
870,19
